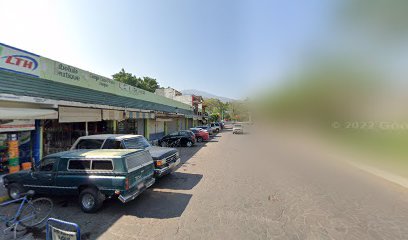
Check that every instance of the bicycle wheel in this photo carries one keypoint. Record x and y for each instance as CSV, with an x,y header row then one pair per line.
x,y
35,212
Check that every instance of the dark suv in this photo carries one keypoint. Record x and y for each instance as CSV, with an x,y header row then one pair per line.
x,y
94,175
165,160
184,138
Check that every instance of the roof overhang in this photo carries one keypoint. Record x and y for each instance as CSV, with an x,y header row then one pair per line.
x,y
27,113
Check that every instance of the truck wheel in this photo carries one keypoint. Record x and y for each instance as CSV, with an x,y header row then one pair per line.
x,y
90,200
14,190
199,139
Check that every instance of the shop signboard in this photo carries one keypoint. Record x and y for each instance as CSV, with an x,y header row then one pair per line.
x,y
17,125
20,61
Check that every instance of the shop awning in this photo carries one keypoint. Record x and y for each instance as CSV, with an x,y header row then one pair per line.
x,y
27,113
164,119
73,114
140,115
113,115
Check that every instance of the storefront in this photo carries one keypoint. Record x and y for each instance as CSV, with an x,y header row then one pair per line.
x,y
172,125
72,123
135,122
20,136
74,103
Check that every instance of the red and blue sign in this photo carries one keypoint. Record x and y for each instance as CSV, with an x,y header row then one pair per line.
x,y
18,61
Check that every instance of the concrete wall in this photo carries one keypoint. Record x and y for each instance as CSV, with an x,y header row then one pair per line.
x,y
167,92
187,99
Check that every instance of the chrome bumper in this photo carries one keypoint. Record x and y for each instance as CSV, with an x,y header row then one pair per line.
x,y
132,195
159,172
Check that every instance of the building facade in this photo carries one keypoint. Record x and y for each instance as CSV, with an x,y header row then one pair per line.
x,y
195,102
45,105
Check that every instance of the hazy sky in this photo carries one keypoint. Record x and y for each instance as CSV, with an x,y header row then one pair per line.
x,y
225,47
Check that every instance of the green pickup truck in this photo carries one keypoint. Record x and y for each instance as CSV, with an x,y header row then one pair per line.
x,y
94,175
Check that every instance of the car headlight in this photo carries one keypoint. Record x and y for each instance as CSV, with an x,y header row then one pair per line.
x,y
177,154
160,162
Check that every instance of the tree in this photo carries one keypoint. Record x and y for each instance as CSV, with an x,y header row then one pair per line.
x,y
149,84
236,110
146,83
127,78
214,117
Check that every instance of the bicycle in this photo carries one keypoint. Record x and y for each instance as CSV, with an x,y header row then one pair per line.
x,y
30,213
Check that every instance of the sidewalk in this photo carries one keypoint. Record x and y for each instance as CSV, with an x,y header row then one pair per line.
x,y
355,159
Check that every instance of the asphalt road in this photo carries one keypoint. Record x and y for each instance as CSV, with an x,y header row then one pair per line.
x,y
251,187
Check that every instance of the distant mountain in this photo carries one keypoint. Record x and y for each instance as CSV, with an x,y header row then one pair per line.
x,y
206,95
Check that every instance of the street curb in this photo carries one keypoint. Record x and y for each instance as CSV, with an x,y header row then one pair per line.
x,y
399,180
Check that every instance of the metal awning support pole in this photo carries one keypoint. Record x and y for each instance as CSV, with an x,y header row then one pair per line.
x,y
86,129
36,137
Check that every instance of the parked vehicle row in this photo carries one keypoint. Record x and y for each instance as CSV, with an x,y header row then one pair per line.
x,y
105,166
165,159
200,134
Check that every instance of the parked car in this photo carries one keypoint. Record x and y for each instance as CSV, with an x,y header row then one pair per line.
x,y
165,159
221,125
216,127
200,134
182,138
237,128
207,128
94,175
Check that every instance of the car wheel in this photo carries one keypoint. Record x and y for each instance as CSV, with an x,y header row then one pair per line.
x,y
163,144
189,143
15,190
91,200
199,139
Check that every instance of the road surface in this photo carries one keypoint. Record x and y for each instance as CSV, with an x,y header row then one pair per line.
x,y
251,187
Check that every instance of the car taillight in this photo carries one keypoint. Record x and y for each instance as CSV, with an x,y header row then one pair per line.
x,y
127,183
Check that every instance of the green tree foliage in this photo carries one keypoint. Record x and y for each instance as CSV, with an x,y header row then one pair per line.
x,y
214,117
324,94
149,84
235,110
238,110
146,83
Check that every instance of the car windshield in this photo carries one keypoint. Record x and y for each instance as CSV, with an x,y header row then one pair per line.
x,y
136,143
